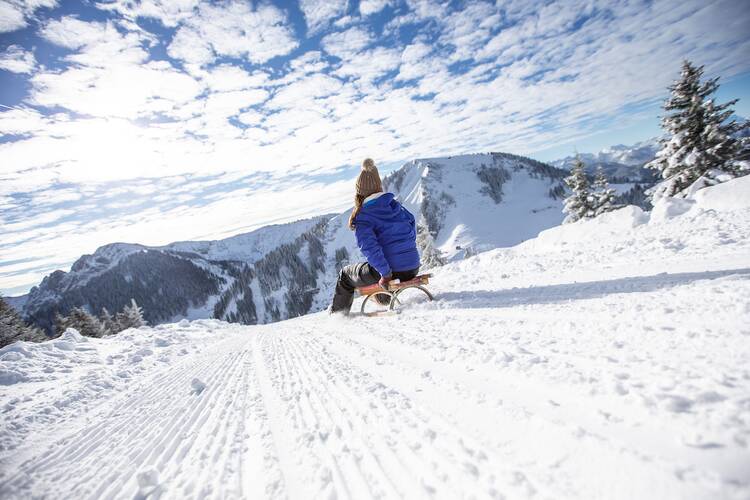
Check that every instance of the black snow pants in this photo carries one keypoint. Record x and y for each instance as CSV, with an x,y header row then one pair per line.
x,y
359,275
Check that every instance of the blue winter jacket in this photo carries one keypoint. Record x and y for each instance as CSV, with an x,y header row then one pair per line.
x,y
386,235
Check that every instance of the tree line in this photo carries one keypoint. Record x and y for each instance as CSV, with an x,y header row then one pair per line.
x,y
13,328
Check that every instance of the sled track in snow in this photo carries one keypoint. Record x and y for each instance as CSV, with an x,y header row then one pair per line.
x,y
282,407
162,424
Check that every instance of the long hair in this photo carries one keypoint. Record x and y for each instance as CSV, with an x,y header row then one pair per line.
x,y
358,200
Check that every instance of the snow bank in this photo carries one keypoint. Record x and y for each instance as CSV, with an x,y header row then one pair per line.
x,y
604,226
668,208
731,195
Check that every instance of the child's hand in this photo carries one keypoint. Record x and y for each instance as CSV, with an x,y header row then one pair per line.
x,y
383,282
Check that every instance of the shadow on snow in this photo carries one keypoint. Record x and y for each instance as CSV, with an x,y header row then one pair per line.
x,y
576,291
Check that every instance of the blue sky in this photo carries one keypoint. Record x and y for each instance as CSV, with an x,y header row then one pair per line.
x,y
158,121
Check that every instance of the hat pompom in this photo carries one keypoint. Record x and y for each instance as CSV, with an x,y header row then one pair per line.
x,y
368,165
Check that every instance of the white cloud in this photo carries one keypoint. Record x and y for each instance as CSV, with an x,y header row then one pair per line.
x,y
23,121
169,12
369,7
305,91
126,90
189,45
307,63
371,64
226,104
233,30
347,44
227,77
72,33
14,14
17,60
320,13
11,17
251,117
468,30
96,44
417,61
428,9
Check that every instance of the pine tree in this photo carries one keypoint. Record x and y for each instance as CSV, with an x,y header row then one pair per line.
x,y
110,325
580,204
86,324
131,316
62,323
14,329
604,196
701,144
430,255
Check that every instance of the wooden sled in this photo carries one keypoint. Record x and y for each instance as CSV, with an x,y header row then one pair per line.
x,y
391,293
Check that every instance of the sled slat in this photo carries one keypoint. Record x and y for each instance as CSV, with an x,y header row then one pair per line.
x,y
422,279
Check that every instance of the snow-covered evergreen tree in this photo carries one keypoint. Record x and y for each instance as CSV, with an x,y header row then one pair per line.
x,y
13,328
604,196
430,256
86,324
130,317
580,204
110,325
701,147
61,324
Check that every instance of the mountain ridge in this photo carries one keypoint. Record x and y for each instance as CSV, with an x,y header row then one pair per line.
x,y
463,204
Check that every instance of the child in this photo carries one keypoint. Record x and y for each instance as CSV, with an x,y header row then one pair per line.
x,y
386,235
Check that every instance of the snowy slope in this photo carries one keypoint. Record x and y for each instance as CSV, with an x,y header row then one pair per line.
x,y
466,204
510,203
603,359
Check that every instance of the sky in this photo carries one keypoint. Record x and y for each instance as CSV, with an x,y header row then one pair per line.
x,y
157,121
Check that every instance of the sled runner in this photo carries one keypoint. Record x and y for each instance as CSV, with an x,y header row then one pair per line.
x,y
385,300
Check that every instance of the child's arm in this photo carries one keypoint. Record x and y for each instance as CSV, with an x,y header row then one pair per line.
x,y
370,247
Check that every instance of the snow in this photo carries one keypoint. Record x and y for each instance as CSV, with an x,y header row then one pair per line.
x,y
618,161
728,196
475,220
248,247
603,359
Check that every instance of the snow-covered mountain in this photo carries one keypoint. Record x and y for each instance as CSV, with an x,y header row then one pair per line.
x,y
463,204
621,163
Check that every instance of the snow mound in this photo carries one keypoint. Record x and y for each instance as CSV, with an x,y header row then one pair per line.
x,y
667,208
731,195
605,225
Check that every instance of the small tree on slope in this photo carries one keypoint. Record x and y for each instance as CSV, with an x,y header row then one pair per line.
x,y
110,325
579,205
13,328
131,316
604,196
699,145
430,255
86,324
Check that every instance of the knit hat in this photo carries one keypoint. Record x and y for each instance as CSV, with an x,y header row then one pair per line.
x,y
368,181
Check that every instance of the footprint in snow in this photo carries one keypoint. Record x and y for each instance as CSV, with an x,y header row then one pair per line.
x,y
198,386
148,484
